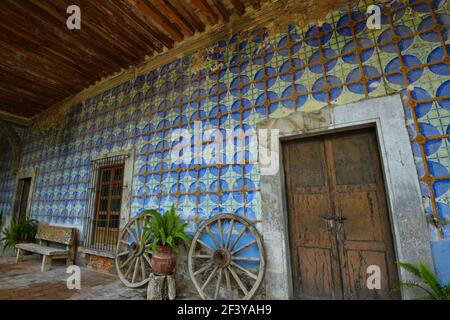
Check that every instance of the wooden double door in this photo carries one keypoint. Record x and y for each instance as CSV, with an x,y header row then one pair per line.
x,y
338,218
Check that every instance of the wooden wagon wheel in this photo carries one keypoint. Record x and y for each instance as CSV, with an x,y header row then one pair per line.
x,y
227,258
133,262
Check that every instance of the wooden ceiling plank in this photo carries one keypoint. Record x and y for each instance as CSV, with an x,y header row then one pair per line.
x,y
85,34
206,10
14,89
15,76
222,10
51,68
20,101
166,7
114,32
238,6
132,23
256,4
41,29
155,16
48,49
39,64
98,32
27,85
155,35
119,26
184,6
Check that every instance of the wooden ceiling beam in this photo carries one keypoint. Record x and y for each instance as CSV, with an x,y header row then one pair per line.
x,y
148,10
167,8
222,10
206,10
238,6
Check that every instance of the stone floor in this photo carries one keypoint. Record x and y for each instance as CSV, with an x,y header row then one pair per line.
x,y
26,281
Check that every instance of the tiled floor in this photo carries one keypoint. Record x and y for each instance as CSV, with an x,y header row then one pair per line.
x,y
26,281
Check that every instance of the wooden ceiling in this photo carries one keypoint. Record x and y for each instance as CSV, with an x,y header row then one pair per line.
x,y
43,63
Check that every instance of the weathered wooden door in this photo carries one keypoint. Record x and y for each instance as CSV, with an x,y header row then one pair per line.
x,y
338,218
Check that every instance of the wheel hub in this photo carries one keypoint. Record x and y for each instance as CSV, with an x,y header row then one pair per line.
x,y
221,258
136,249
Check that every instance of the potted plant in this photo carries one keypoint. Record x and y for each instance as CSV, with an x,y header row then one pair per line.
x,y
20,231
429,283
165,233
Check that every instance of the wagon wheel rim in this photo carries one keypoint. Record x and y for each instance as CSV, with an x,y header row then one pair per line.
x,y
133,255
221,266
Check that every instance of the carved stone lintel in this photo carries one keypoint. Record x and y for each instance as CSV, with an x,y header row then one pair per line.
x,y
161,287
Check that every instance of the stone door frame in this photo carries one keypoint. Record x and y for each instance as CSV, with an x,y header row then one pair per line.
x,y
408,221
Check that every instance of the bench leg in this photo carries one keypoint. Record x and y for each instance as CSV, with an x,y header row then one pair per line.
x,y
46,263
20,254
69,261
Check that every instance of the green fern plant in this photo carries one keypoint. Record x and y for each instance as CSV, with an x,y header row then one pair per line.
x,y
21,230
429,284
165,229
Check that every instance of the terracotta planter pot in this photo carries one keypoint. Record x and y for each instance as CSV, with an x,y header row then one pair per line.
x,y
164,260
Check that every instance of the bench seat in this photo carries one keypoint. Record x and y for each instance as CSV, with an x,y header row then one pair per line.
x,y
37,248
50,234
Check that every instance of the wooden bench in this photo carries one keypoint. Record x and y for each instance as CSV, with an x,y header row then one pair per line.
x,y
46,234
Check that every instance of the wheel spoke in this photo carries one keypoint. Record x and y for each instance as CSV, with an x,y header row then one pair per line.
x,y
219,280
147,258
202,256
244,247
238,238
132,234
135,272
144,274
239,282
208,230
125,242
209,278
230,231
138,229
250,274
126,262
202,269
130,267
227,279
204,244
123,253
245,258
219,225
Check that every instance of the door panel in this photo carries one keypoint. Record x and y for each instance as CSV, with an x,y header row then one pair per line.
x,y
309,205
108,204
338,218
316,277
